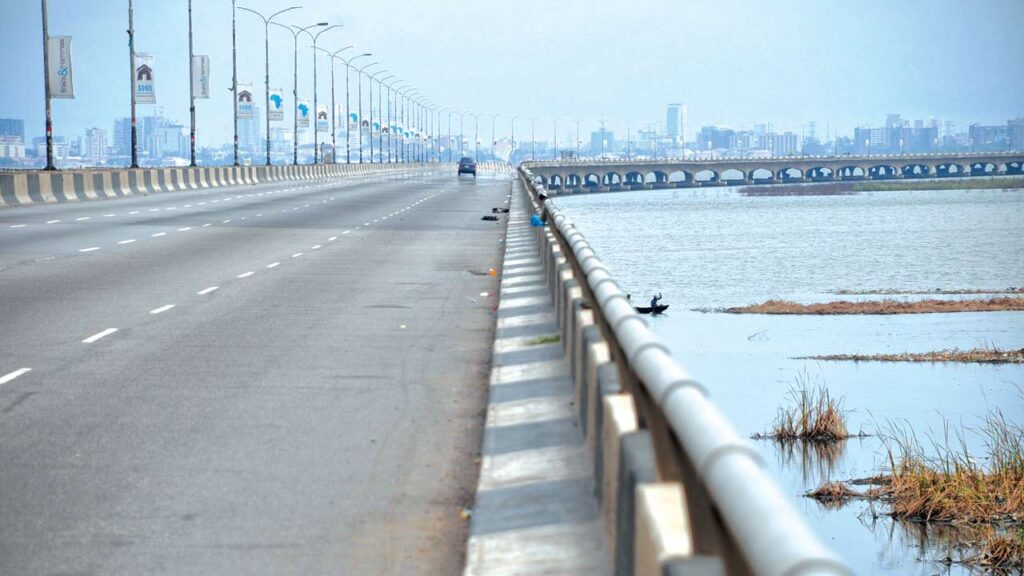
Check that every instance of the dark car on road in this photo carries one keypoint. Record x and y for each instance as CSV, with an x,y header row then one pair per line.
x,y
467,166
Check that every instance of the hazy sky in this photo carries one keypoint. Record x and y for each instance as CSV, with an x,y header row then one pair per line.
x,y
732,62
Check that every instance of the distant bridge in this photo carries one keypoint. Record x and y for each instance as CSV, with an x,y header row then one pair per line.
x,y
596,175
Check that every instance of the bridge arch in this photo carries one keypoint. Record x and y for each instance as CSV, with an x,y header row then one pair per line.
x,y
852,173
1014,167
820,173
882,172
592,180
679,177
984,168
761,175
656,179
916,171
734,175
705,176
573,181
634,178
611,179
790,174
949,169
554,182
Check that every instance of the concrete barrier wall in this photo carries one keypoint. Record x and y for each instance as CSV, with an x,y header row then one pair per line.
x,y
22,188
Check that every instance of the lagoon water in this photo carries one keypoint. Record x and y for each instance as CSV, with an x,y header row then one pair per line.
x,y
707,249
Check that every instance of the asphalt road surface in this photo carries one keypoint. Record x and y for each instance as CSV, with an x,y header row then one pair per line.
x,y
278,379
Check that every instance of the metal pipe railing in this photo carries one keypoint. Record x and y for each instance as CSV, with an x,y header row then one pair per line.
x,y
735,511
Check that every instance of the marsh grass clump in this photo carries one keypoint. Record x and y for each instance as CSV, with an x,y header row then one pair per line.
x,y
815,417
548,339
954,487
884,307
833,492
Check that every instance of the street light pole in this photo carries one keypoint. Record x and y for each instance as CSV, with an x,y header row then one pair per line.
x,y
234,79
493,140
295,31
131,56
334,108
316,133
533,139
266,77
512,150
348,107
46,88
476,136
359,82
191,91
380,113
370,98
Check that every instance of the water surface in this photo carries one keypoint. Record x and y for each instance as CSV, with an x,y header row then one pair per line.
x,y
716,248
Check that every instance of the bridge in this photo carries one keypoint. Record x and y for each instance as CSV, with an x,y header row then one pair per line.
x,y
283,371
590,175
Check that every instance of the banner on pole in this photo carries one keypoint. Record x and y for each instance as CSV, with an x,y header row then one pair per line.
x,y
244,105
323,119
145,84
276,105
365,126
303,109
376,129
201,77
353,121
61,77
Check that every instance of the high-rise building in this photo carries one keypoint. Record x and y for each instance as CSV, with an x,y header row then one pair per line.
x,y
249,133
12,127
602,141
122,136
95,146
784,144
673,122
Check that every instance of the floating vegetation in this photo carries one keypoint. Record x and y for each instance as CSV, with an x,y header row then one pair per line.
x,y
975,355
881,307
814,417
833,493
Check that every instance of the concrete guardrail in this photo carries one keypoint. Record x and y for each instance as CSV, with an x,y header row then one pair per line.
x,y
681,492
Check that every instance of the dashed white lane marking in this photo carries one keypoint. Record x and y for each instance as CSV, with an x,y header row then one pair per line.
x,y
129,241
8,377
346,231
90,249
99,335
206,225
185,229
134,212
317,247
154,209
53,221
297,254
161,309
172,208
273,265
19,225
245,274
202,203
332,238
158,234
109,215
225,221
366,223
82,219
187,206
206,291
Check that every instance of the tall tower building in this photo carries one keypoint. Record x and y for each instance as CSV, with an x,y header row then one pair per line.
x,y
673,121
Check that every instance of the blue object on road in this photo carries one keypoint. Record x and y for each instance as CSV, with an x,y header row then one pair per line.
x,y
536,221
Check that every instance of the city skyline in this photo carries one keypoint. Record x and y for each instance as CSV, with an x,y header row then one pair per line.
x,y
991,96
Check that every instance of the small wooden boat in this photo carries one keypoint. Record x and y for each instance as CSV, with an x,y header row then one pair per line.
x,y
647,309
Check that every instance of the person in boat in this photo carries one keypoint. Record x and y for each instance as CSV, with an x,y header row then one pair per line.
x,y
628,298
654,302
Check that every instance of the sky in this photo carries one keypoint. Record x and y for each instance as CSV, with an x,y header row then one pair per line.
x,y
731,62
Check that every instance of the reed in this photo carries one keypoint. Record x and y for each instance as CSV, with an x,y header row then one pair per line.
x,y
815,416
886,306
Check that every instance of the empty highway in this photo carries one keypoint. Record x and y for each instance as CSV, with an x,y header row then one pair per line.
x,y
285,378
